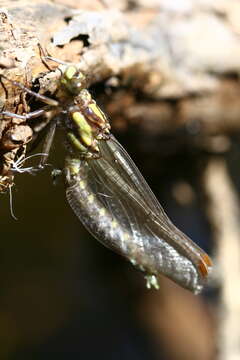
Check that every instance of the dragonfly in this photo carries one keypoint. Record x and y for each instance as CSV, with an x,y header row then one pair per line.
x,y
109,195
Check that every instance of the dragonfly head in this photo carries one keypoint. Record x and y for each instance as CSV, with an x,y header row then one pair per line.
x,y
73,80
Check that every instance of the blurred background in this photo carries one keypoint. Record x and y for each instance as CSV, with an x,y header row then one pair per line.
x,y
64,296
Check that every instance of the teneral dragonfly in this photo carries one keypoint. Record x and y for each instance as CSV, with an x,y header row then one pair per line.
x,y
109,195
111,198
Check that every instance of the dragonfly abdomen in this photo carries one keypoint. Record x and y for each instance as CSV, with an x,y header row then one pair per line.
x,y
96,218
148,252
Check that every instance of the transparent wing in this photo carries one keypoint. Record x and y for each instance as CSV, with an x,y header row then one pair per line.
x,y
143,233
118,165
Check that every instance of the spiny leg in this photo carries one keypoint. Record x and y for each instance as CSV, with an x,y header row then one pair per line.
x,y
57,61
31,115
45,56
48,143
42,53
42,98
50,134
27,116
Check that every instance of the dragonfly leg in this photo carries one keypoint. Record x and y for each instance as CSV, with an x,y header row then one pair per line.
x,y
46,56
48,143
43,98
27,116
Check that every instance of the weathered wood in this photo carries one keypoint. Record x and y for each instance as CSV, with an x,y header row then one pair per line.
x,y
159,48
